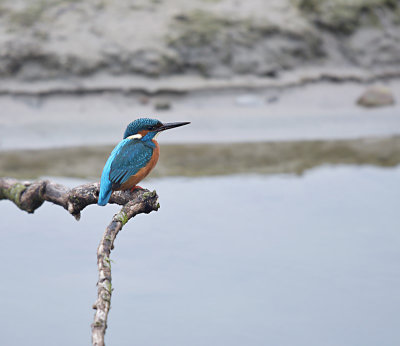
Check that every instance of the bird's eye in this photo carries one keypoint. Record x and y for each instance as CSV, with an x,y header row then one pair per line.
x,y
153,127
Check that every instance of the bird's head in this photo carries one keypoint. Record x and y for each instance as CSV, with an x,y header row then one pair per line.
x,y
146,127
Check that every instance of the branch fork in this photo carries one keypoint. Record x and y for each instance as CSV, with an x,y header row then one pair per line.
x,y
29,196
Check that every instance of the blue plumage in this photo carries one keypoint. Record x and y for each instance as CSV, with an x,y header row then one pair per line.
x,y
131,158
132,154
128,157
140,124
105,182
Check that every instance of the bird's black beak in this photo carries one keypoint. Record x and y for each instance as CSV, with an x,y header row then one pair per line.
x,y
168,126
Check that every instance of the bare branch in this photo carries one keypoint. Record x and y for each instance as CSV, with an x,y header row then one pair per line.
x,y
136,206
29,196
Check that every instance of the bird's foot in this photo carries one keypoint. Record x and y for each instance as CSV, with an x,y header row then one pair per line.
x,y
136,187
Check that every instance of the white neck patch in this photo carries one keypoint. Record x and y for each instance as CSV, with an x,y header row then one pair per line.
x,y
137,136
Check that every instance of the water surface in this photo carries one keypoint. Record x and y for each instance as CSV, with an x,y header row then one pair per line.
x,y
231,260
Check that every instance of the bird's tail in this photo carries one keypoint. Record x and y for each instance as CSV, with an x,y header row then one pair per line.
x,y
105,190
105,183
104,196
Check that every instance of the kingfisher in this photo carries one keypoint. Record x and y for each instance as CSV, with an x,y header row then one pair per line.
x,y
133,158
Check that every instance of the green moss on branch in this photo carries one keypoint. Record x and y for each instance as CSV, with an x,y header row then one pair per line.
x,y
13,193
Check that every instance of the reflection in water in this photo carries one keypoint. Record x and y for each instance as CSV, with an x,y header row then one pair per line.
x,y
209,159
239,260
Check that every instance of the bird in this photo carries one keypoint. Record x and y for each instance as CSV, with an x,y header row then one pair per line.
x,y
133,158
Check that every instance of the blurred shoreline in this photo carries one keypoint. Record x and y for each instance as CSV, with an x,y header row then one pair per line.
x,y
290,157
74,74
185,84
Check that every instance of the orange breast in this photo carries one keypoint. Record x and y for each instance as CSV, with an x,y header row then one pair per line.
x,y
143,172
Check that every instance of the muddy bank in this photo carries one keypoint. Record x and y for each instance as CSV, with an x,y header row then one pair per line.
x,y
71,41
183,84
209,159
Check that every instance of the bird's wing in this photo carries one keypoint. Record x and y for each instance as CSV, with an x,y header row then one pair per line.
x,y
133,156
